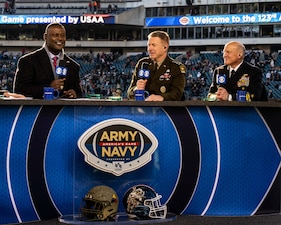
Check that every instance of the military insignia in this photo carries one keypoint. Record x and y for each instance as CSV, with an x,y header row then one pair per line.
x,y
244,81
166,76
182,68
163,89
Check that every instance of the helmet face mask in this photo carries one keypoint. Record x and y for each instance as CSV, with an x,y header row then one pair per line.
x,y
100,203
156,209
142,202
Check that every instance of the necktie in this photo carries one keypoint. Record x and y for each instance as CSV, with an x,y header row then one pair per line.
x,y
232,73
155,67
55,61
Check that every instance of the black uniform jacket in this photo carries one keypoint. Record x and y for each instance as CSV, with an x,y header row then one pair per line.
x,y
168,81
255,86
34,72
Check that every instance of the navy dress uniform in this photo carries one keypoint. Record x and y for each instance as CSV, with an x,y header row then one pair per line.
x,y
246,71
168,80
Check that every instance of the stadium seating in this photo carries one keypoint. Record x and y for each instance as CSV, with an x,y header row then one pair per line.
x,y
203,63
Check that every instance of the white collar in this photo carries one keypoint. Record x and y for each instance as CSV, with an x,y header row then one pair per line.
x,y
236,68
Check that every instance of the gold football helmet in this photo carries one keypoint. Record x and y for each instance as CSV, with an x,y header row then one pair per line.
x,y
100,203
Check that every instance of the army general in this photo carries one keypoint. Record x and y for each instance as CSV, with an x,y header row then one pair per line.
x,y
160,75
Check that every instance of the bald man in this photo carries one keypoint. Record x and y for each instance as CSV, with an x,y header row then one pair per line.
x,y
236,74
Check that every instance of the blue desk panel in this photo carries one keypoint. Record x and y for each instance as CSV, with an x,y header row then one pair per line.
x,y
208,160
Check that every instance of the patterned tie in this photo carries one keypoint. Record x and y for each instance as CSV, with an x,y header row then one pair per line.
x,y
55,61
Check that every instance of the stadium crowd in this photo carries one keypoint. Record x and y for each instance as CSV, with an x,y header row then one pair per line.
x,y
109,74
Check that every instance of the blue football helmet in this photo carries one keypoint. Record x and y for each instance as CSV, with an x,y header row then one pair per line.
x,y
142,202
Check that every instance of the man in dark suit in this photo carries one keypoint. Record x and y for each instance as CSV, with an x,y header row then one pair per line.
x,y
167,82
36,70
236,74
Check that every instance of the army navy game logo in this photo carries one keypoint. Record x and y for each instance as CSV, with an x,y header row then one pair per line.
x,y
117,146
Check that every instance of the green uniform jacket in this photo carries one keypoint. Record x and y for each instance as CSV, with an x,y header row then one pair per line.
x,y
168,81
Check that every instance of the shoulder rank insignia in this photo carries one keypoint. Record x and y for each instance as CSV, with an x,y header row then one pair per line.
x,y
182,68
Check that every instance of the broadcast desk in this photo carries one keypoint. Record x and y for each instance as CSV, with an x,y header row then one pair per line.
x,y
204,158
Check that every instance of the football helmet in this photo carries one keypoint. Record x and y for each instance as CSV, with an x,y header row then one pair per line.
x,y
100,203
142,202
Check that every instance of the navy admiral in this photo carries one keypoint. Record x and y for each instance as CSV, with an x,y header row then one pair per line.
x,y
236,74
159,74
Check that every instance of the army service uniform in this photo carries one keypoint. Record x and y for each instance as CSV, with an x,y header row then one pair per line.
x,y
168,80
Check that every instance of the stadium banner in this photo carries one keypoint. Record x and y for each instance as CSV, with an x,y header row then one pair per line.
x,y
64,19
256,18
